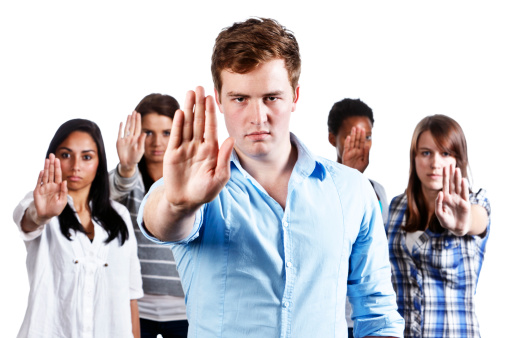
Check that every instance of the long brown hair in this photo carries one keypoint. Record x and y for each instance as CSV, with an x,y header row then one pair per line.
x,y
449,137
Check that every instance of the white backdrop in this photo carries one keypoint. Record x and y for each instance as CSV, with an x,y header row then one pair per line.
x,y
96,60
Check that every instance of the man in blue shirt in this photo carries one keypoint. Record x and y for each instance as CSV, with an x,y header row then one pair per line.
x,y
268,238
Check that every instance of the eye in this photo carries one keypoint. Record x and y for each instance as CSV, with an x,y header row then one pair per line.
x,y
271,98
148,132
446,154
65,155
87,157
368,137
239,99
166,132
425,153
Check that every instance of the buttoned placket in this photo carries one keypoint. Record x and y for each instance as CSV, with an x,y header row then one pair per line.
x,y
89,255
289,265
416,288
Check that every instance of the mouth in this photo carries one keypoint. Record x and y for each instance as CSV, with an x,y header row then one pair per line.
x,y
435,176
258,135
73,178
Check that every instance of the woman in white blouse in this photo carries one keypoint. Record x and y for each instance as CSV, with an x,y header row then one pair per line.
x,y
82,262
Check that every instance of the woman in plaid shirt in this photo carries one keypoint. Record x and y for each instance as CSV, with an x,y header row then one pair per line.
x,y
437,232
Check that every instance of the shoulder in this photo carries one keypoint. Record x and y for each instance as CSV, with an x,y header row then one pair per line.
x,y
399,200
120,209
480,198
338,170
378,187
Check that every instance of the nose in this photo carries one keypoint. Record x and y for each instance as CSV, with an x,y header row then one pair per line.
x,y
258,113
75,163
157,139
436,161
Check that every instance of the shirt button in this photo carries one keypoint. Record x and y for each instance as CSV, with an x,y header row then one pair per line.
x,y
285,224
289,264
286,304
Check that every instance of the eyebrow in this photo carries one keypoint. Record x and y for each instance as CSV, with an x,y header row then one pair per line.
x,y
275,93
70,150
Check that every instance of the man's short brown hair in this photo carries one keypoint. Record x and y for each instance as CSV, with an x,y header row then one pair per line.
x,y
244,45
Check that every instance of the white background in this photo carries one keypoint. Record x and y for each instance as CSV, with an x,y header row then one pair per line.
x,y
96,60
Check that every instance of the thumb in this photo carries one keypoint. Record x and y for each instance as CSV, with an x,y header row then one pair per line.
x,y
223,169
439,207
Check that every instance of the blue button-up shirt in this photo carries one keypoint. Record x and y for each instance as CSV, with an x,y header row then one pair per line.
x,y
251,268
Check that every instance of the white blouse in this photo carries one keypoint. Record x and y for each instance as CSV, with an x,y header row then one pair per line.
x,y
79,288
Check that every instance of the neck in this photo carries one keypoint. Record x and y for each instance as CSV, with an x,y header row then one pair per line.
x,y
430,197
155,170
272,175
80,199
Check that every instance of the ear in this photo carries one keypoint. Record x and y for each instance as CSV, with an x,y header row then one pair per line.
x,y
217,100
296,98
332,139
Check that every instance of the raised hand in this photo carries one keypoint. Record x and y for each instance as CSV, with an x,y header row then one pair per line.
x,y
50,194
356,153
452,206
130,145
195,169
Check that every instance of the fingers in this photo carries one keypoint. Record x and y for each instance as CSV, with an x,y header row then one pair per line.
x,y
347,144
132,128
201,107
119,133
452,185
197,120
361,138
457,181
188,109
353,138
210,130
51,176
445,180
63,189
175,138
58,171
39,180
45,176
137,125
464,190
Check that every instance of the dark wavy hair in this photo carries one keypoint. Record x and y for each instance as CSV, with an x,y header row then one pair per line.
x,y
101,211
344,109
449,137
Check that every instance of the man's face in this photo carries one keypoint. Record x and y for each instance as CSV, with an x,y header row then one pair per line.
x,y
257,108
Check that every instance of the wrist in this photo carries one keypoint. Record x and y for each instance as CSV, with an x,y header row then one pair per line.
x,y
126,171
34,216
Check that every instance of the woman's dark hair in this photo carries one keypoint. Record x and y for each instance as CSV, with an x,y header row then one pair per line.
x,y
449,137
101,209
158,103
155,103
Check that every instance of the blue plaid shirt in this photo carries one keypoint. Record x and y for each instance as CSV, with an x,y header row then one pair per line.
x,y
435,281
253,269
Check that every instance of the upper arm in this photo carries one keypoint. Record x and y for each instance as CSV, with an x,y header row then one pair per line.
x,y
480,220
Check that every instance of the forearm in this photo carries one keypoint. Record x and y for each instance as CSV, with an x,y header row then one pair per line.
x,y
167,222
134,312
478,220
31,220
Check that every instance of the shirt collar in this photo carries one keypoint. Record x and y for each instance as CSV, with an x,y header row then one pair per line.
x,y
307,163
